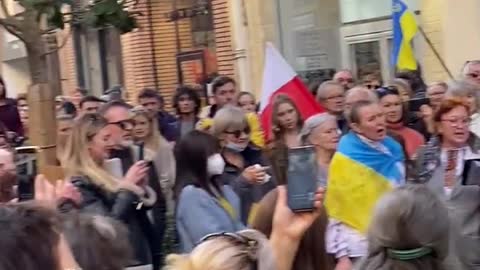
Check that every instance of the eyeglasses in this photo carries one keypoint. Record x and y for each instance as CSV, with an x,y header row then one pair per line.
x,y
124,124
347,80
457,122
386,90
336,97
238,133
251,245
473,75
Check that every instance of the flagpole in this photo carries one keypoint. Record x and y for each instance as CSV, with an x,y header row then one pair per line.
x,y
432,46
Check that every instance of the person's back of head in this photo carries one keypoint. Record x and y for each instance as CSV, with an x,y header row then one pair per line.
x,y
97,242
29,238
311,254
409,231
245,250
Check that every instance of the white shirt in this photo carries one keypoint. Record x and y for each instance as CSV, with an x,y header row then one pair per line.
x,y
475,124
342,240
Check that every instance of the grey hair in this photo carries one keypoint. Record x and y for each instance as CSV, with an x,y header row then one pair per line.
x,y
467,65
463,89
408,217
229,117
353,96
324,87
312,123
220,253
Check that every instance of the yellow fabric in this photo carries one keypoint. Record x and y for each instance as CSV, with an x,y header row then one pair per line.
x,y
228,208
406,57
253,213
353,191
256,135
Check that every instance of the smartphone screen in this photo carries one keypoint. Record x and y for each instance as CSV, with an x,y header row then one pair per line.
x,y
301,178
415,104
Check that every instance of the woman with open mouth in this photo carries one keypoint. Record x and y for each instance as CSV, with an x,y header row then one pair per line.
x,y
449,166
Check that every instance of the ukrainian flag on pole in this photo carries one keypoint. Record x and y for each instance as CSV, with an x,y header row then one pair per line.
x,y
404,30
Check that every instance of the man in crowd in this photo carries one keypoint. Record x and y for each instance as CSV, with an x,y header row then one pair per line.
x,y
225,92
359,93
471,72
187,104
331,95
345,78
118,116
154,103
90,104
8,176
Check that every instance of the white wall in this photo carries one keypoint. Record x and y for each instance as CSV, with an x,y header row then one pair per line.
x,y
16,76
356,10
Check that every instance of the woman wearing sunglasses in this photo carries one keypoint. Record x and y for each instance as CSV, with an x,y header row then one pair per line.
x,y
245,168
391,102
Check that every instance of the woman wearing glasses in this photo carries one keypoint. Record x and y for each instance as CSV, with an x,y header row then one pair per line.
x,y
124,199
446,166
391,102
469,93
244,169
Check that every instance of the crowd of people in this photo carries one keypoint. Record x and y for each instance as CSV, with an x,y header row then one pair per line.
x,y
203,188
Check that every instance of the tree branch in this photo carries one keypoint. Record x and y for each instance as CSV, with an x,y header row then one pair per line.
x,y
62,44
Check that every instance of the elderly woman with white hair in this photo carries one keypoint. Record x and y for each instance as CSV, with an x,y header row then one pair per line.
x,y
469,92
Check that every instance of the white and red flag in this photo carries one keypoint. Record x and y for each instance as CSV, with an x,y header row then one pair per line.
x,y
279,78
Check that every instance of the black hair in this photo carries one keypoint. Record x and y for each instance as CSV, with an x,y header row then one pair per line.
x,y
112,104
221,81
4,94
150,93
90,99
30,237
191,154
191,93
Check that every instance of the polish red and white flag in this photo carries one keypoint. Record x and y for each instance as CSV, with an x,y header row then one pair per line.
x,y
279,78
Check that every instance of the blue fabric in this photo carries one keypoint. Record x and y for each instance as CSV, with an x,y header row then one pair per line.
x,y
168,126
398,9
353,147
199,214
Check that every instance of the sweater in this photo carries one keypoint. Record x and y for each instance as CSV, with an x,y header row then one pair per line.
x,y
10,118
413,139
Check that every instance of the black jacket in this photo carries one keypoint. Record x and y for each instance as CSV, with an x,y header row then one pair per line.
x,y
125,206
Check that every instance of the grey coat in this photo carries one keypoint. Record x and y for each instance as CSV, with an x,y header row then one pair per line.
x,y
463,205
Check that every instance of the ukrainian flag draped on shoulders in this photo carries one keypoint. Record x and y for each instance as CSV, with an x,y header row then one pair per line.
x,y
359,175
404,30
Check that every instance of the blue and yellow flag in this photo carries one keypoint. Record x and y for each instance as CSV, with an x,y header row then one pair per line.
x,y
404,30
359,175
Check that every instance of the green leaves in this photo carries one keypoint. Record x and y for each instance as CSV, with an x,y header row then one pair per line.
x,y
102,13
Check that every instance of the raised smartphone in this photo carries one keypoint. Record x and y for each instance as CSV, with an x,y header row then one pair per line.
x,y
415,104
302,178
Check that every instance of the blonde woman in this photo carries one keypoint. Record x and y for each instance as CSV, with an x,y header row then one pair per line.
x,y
123,199
159,152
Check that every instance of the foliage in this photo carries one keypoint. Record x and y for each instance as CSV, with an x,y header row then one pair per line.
x,y
97,14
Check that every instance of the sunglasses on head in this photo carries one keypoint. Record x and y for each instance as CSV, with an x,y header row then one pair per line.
x,y
250,245
372,86
238,133
387,90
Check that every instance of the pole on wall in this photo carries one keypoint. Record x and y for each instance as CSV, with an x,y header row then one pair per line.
x,y
435,51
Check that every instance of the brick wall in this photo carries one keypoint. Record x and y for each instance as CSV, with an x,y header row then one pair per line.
x,y
223,37
431,21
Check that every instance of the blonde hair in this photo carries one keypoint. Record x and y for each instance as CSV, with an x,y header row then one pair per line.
x,y
75,157
221,253
228,117
154,140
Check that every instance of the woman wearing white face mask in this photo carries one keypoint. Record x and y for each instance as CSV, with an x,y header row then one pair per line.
x,y
245,169
204,204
